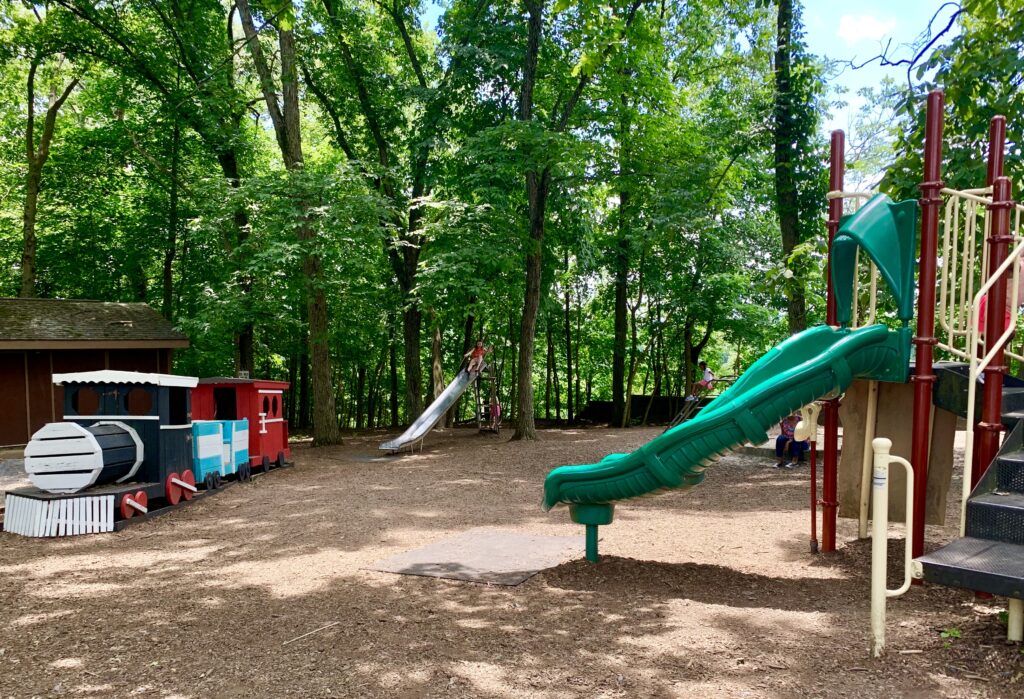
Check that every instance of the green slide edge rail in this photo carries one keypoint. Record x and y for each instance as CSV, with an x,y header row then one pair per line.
x,y
810,365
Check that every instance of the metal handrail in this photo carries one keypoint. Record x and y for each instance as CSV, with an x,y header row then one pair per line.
x,y
880,538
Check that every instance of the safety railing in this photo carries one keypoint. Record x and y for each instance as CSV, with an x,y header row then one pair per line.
x,y
960,274
965,280
880,538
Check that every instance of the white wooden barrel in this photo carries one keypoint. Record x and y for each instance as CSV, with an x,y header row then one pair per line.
x,y
65,457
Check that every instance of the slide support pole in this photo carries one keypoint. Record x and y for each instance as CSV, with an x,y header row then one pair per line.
x,y
924,341
830,465
592,515
814,496
592,543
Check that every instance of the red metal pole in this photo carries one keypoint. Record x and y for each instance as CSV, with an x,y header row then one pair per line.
x,y
924,376
987,435
814,496
830,467
996,146
995,323
836,175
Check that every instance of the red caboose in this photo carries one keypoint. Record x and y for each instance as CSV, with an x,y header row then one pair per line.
x,y
258,400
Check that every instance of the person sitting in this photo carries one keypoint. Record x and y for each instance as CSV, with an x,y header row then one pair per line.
x,y
1011,300
786,442
476,357
495,413
707,378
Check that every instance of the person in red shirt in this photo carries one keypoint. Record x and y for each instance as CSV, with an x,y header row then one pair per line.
x,y
1011,300
476,357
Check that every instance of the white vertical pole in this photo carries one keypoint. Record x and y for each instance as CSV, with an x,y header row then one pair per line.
x,y
869,436
879,542
1015,625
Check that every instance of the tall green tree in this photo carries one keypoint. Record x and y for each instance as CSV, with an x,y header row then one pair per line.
x,y
798,85
285,117
32,39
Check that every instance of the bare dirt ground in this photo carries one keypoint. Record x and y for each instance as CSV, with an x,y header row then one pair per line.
x,y
707,593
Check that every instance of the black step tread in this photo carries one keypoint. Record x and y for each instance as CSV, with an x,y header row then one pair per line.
x,y
1012,456
1001,499
978,564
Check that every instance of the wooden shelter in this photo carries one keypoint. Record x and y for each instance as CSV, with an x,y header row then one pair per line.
x,y
42,337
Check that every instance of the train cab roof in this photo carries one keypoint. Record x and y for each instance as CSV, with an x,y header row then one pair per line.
x,y
230,380
108,376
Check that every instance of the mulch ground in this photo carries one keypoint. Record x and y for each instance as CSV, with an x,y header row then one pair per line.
x,y
707,593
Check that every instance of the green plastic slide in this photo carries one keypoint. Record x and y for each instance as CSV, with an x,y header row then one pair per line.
x,y
808,366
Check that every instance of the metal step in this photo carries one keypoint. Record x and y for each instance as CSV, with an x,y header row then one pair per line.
x,y
951,391
995,567
1010,472
997,517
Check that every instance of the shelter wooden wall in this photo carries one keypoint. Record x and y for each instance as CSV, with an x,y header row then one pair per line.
x,y
28,398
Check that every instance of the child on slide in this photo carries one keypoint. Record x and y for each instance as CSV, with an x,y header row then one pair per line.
x,y
707,378
476,357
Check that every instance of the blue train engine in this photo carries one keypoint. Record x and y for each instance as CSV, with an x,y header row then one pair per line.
x,y
127,446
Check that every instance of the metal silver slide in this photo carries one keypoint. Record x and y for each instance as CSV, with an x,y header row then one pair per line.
x,y
433,414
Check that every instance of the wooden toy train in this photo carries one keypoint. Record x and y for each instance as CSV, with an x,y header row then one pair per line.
x,y
129,446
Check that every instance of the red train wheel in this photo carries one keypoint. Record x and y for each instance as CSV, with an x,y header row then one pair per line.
x,y
172,491
139,497
127,511
188,477
280,459
266,464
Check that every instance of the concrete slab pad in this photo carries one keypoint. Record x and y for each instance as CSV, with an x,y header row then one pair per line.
x,y
486,556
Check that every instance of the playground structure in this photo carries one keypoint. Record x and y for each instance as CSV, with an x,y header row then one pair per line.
x,y
128,447
435,412
821,363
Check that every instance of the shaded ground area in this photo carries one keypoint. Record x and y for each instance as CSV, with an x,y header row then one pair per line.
x,y
709,593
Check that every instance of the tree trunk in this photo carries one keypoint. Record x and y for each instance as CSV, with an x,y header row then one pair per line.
x,y
393,398
619,397
172,224
360,388
633,341
28,255
286,121
547,369
576,356
787,200
412,321
436,367
36,157
304,386
568,350
536,196
228,161
554,373
536,187
467,343
293,388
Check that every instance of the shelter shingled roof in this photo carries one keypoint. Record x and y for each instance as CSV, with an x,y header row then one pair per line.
x,y
66,323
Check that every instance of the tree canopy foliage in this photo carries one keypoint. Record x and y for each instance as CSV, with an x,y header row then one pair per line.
x,y
347,194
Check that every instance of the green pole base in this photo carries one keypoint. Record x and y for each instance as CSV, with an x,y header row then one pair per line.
x,y
592,515
592,543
